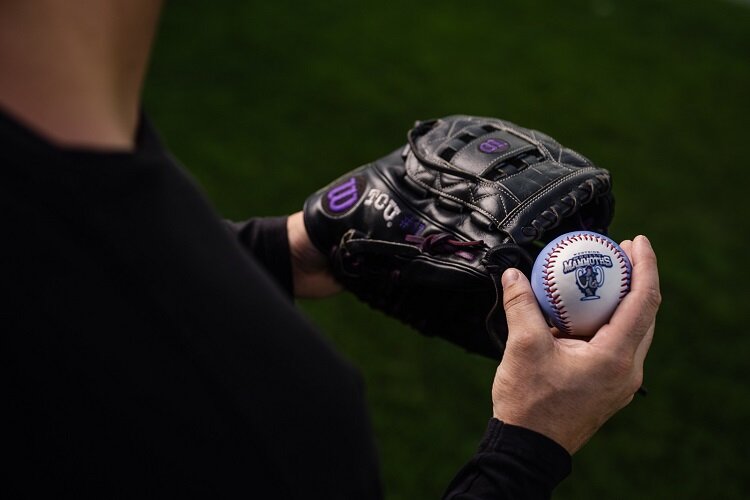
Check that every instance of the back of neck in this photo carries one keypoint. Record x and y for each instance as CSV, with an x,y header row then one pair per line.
x,y
74,70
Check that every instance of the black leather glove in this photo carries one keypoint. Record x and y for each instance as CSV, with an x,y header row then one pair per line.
x,y
425,232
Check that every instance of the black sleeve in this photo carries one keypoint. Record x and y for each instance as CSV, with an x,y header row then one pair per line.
x,y
513,463
148,353
266,239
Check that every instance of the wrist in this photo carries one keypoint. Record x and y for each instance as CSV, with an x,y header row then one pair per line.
x,y
548,425
301,249
310,273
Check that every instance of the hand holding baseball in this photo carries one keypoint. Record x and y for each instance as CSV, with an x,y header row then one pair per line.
x,y
567,388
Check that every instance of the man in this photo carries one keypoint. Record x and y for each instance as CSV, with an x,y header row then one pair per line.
x,y
152,350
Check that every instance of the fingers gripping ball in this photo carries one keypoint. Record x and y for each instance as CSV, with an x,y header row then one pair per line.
x,y
579,279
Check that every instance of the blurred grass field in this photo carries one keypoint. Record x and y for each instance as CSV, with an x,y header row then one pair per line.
x,y
266,102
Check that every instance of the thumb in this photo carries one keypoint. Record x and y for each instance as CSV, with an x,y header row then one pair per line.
x,y
525,319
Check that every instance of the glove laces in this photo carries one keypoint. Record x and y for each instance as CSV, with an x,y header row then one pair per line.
x,y
443,243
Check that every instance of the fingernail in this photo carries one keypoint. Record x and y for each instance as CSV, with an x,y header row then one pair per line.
x,y
510,276
645,239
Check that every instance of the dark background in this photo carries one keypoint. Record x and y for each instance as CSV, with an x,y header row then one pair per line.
x,y
266,102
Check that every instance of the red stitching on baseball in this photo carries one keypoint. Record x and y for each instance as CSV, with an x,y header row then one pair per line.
x,y
550,286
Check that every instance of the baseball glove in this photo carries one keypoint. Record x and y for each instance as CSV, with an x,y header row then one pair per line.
x,y
424,233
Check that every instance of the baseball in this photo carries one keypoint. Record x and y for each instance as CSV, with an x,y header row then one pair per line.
x,y
579,279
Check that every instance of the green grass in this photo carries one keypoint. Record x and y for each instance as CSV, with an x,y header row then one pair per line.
x,y
266,103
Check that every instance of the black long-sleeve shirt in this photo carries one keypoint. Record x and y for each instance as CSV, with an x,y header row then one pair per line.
x,y
151,352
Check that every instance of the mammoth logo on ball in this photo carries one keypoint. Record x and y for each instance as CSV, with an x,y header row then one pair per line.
x,y
343,196
589,272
